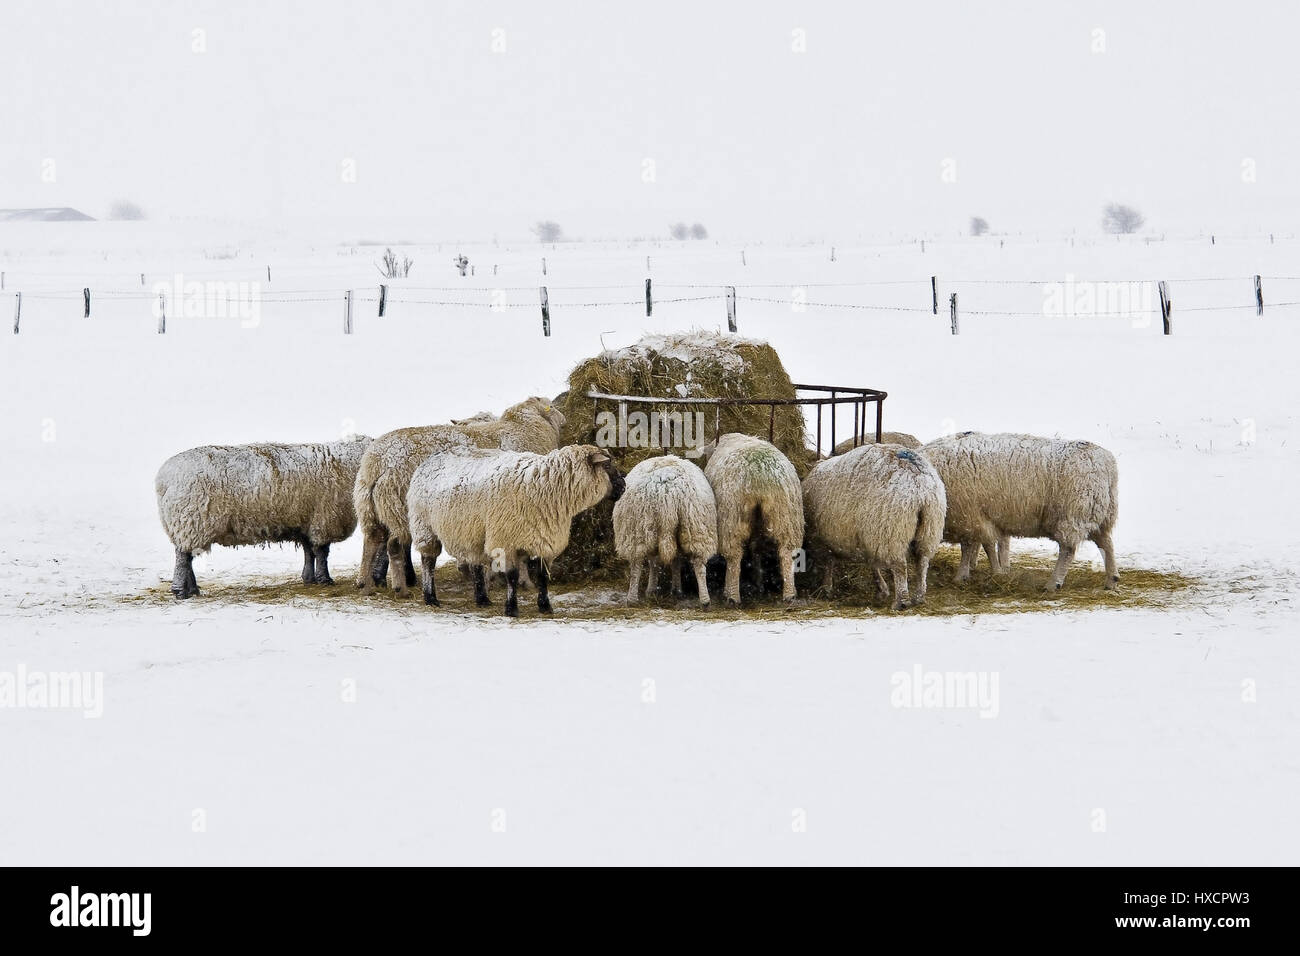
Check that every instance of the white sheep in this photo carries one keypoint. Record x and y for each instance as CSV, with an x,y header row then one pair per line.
x,y
758,495
502,507
532,425
667,512
878,504
1005,485
255,494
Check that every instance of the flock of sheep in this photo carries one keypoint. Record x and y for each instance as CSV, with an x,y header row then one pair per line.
x,y
499,494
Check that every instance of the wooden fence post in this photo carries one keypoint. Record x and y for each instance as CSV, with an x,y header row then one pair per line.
x,y
832,260
2,281
952,308
546,312
18,310
162,313
922,245
86,293
934,292
347,313
731,308
1166,307
649,302
383,299
742,258
543,265
1259,295
268,275
647,263
142,279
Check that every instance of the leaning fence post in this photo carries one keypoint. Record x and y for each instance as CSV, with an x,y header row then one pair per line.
x,y
546,312
934,292
347,313
268,275
1166,307
731,308
2,281
383,299
832,253
649,302
18,310
162,313
742,258
952,308
543,265
86,293
1259,295
142,278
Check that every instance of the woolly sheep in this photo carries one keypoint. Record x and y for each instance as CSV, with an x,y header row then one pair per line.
x,y
877,503
499,507
1005,485
532,425
758,495
255,494
667,512
886,438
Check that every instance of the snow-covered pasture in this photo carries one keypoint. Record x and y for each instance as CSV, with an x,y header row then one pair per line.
x,y
372,735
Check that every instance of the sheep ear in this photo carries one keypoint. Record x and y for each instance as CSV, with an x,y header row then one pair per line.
x,y
598,458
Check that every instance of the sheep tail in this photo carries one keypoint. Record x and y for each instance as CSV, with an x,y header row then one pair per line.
x,y
667,545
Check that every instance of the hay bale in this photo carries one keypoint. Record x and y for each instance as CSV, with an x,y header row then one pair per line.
x,y
682,365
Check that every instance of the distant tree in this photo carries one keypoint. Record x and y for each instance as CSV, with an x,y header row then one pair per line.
x,y
393,268
548,230
1121,220
679,230
125,210
699,232
978,226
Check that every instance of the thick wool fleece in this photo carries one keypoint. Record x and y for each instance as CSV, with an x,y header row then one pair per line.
x,y
251,494
490,507
878,504
667,513
758,494
1006,485
385,475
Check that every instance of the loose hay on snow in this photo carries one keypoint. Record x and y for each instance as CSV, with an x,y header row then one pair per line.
x,y
686,365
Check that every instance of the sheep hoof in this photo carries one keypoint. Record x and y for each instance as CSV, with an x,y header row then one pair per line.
x,y
1113,582
544,605
705,605
325,580
482,602
733,602
900,606
308,578
512,610
432,601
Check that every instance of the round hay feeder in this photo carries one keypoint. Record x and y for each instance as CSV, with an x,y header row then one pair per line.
x,y
673,394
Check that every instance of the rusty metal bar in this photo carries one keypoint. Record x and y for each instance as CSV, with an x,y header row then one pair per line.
x,y
771,422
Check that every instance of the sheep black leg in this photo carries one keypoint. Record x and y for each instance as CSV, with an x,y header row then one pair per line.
x,y
480,586
379,567
537,568
323,564
308,561
512,590
183,575
430,589
410,568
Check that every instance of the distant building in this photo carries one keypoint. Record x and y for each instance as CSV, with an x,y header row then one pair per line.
x,y
52,214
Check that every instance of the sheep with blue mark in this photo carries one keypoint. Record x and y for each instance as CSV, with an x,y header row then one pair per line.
x,y
880,504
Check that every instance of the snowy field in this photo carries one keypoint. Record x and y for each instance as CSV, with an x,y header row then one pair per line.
x,y
291,733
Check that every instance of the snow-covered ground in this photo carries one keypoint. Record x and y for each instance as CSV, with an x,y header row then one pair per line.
x,y
294,734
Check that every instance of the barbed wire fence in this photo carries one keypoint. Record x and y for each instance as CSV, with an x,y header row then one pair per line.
x,y
224,298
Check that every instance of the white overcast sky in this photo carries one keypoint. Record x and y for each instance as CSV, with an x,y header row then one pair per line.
x,y
747,136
